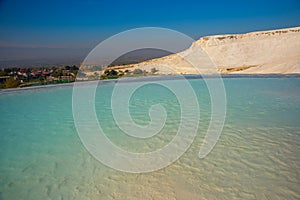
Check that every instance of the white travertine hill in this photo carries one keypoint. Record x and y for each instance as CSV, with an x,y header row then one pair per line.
x,y
265,52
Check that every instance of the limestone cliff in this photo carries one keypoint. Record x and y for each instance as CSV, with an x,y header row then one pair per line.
x,y
274,51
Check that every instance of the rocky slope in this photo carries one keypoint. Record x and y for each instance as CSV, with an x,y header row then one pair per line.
x,y
274,51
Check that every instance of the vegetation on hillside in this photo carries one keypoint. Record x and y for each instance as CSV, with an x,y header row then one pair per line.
x,y
113,74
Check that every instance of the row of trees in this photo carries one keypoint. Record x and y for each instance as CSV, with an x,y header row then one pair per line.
x,y
113,74
11,82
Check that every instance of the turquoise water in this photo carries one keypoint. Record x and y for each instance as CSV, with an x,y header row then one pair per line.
x,y
256,157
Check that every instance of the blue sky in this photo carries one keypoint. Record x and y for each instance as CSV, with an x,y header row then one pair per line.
x,y
83,24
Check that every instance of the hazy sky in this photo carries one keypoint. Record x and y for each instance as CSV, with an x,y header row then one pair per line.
x,y
83,24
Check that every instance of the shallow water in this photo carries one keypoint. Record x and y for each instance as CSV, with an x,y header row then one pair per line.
x,y
256,157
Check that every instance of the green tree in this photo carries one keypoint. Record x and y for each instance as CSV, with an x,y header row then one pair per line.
x,y
57,73
11,83
153,70
3,73
138,71
74,67
67,67
111,72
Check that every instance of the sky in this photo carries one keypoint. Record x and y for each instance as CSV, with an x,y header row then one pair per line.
x,y
83,24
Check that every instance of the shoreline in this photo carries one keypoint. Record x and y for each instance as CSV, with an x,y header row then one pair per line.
x,y
155,78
